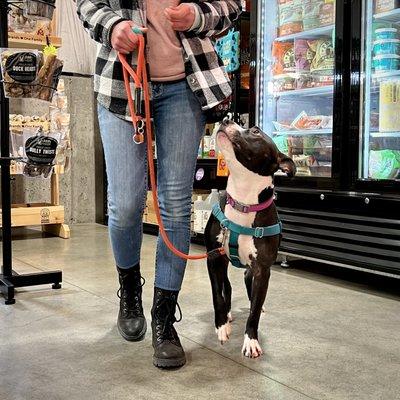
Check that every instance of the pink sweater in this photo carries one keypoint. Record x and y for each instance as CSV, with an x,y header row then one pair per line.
x,y
165,50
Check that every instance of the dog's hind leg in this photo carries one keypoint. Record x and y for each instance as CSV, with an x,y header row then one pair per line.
x,y
217,271
251,347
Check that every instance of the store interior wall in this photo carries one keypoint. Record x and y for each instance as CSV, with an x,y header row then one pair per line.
x,y
78,185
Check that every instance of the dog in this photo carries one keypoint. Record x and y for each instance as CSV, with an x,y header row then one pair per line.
x,y
253,159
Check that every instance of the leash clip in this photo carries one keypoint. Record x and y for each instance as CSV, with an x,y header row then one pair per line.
x,y
138,136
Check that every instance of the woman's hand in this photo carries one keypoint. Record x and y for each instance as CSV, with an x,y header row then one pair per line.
x,y
181,17
123,39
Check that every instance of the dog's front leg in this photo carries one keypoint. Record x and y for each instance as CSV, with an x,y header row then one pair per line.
x,y
217,271
251,347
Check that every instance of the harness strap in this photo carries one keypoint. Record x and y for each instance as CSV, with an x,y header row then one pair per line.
x,y
257,232
235,230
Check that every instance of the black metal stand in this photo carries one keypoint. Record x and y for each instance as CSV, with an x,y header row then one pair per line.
x,y
9,279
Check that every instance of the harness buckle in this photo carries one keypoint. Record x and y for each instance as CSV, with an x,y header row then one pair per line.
x,y
259,232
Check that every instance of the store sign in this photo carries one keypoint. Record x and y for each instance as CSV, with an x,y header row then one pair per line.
x,y
199,174
22,67
41,149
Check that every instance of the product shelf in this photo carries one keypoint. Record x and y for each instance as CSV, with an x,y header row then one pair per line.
x,y
385,75
310,34
385,134
390,16
51,215
28,41
304,132
316,91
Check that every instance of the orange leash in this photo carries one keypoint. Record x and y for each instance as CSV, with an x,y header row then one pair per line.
x,y
141,125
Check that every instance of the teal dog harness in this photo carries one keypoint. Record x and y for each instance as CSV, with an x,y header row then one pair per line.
x,y
236,230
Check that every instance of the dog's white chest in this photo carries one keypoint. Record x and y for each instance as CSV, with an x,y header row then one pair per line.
x,y
247,249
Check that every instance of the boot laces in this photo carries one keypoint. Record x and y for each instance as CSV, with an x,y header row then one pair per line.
x,y
131,299
165,327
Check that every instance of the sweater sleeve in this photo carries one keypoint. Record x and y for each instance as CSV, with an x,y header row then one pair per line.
x,y
99,19
216,16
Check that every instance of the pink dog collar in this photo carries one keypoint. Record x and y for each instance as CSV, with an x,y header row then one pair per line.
x,y
245,208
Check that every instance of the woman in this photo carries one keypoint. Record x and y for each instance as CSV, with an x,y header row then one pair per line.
x,y
187,79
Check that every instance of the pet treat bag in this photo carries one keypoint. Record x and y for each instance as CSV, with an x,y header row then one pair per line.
x,y
227,48
290,17
30,73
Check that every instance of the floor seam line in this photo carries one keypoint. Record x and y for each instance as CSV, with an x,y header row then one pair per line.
x,y
249,368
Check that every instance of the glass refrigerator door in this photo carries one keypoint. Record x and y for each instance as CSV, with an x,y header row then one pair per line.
x,y
295,75
380,91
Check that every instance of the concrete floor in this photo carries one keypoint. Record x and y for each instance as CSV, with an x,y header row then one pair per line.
x,y
326,334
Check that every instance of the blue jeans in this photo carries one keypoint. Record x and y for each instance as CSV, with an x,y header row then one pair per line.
x,y
179,125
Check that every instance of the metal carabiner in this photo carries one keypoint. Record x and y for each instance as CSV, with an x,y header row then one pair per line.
x,y
138,137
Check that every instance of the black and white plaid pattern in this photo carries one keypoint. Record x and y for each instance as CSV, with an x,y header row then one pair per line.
x,y
205,72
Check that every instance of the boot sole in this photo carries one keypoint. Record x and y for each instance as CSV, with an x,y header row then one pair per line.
x,y
165,363
136,338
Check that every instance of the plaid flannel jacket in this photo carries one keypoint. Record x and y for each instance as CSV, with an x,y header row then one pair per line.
x,y
205,72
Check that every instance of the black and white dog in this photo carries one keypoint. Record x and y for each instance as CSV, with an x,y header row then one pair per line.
x,y
253,159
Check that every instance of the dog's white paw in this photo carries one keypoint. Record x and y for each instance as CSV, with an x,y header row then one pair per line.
x,y
251,348
230,318
224,332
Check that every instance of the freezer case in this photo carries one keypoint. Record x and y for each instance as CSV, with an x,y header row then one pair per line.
x,y
338,124
296,76
380,91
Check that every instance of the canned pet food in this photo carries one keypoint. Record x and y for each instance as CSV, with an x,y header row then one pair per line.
x,y
386,46
387,62
385,33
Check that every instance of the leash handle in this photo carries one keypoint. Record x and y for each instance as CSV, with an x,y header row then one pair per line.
x,y
140,78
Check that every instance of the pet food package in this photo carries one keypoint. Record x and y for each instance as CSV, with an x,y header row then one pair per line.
x,y
227,49
311,10
327,13
323,64
284,68
389,106
304,55
290,17
382,6
384,164
30,73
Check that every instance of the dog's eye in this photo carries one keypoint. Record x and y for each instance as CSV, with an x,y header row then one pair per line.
x,y
256,132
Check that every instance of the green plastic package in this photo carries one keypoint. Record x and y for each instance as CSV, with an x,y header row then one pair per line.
x,y
281,143
384,164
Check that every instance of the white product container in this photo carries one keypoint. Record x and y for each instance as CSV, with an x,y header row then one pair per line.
x,y
198,215
212,199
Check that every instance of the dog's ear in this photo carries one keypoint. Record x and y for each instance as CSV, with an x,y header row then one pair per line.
x,y
286,165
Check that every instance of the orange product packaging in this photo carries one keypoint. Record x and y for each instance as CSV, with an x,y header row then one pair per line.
x,y
283,53
222,167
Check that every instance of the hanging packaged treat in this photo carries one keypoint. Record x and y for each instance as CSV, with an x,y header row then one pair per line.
x,y
40,152
40,9
30,73
22,26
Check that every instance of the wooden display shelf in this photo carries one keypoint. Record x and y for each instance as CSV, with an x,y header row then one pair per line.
x,y
49,216
57,169
30,41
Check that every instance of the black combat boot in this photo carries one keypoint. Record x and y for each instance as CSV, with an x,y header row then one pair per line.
x,y
131,322
168,351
